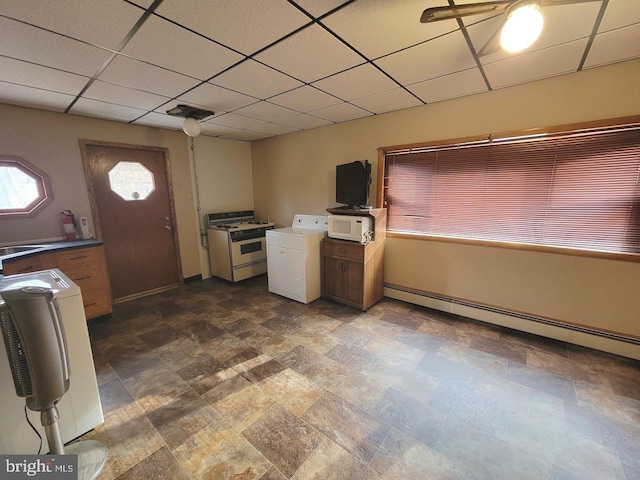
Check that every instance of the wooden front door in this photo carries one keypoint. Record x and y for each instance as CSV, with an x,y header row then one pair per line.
x,y
133,212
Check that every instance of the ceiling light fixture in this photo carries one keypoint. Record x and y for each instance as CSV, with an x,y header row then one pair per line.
x,y
522,28
192,116
191,127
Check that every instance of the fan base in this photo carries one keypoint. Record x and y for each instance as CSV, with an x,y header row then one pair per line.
x,y
92,457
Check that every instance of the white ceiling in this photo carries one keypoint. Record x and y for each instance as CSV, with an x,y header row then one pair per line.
x,y
272,67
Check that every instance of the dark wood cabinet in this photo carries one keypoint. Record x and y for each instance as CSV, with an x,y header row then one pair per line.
x,y
352,273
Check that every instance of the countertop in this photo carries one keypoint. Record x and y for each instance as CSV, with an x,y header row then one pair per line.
x,y
50,247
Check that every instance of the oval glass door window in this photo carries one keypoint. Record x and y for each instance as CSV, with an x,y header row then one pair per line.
x,y
131,180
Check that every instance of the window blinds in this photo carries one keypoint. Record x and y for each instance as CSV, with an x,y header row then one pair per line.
x,y
577,190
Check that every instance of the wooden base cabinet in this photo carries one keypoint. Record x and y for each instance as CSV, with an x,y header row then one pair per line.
x,y
353,273
86,267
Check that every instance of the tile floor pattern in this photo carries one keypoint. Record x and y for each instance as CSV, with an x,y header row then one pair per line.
x,y
228,381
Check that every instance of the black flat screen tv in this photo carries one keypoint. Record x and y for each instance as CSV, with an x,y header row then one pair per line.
x,y
352,184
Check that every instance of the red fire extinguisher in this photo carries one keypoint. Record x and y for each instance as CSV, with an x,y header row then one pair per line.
x,y
69,224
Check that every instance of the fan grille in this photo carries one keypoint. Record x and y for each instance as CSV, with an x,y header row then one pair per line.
x,y
16,355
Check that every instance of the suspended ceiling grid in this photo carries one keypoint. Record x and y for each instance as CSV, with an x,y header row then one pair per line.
x,y
273,67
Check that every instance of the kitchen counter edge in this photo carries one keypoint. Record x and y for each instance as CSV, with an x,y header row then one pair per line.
x,y
51,247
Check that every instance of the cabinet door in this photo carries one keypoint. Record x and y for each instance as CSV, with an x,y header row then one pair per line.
x,y
354,281
335,280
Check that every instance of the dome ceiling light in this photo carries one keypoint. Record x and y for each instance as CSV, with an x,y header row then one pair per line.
x,y
192,117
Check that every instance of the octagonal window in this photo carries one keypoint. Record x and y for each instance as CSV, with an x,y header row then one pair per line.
x,y
24,189
131,180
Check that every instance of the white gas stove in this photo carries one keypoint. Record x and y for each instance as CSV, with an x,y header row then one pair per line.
x,y
237,248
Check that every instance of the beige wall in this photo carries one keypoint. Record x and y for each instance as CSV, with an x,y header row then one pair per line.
x,y
223,172
295,174
49,141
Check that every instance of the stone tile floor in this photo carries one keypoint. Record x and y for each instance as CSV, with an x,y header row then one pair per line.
x,y
228,381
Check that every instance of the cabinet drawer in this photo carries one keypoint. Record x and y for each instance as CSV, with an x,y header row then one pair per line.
x,y
352,251
31,263
96,303
85,256
23,265
84,274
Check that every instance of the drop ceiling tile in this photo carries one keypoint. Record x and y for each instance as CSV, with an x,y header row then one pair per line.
x,y
34,97
246,136
566,23
457,84
28,74
388,101
244,25
274,129
216,130
109,92
102,23
216,98
255,79
536,65
266,111
160,120
304,122
619,13
142,76
35,45
234,120
304,99
357,82
435,58
310,55
380,27
341,113
320,7
615,46
94,108
167,45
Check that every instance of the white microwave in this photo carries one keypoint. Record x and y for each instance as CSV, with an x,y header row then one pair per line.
x,y
350,227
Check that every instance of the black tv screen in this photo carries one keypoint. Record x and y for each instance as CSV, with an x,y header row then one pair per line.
x,y
352,183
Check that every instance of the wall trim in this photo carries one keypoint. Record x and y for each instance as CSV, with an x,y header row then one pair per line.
x,y
606,341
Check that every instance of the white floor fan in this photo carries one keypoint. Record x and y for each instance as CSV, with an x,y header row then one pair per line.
x,y
37,351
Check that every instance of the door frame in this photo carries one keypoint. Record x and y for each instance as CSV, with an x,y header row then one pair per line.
x,y
84,143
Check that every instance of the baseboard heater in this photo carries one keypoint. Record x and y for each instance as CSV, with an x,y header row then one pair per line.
x,y
522,316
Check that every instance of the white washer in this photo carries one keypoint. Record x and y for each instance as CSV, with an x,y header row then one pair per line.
x,y
294,258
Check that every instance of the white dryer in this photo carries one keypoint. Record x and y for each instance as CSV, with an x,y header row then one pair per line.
x,y
294,258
